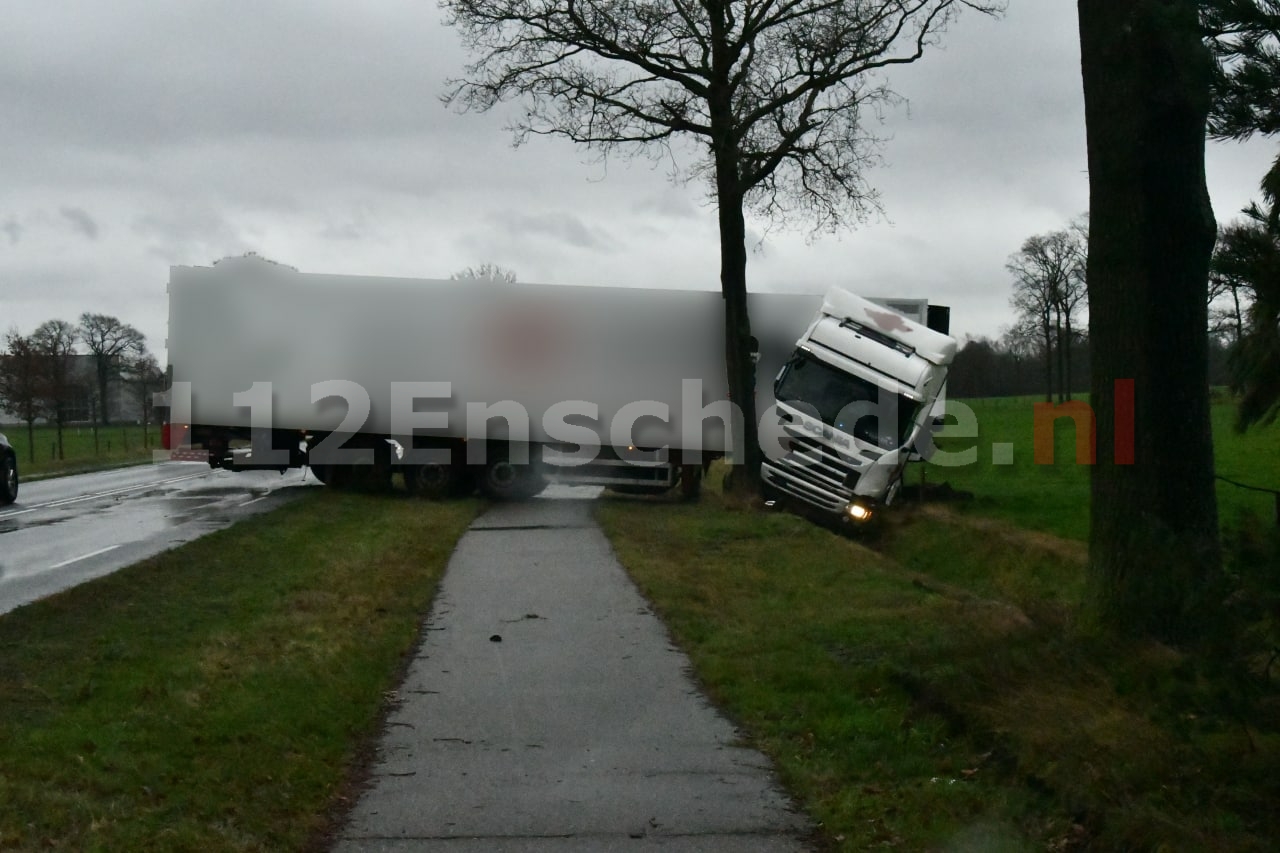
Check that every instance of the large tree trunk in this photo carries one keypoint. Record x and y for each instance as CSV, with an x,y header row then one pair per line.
x,y
737,334
1153,547
730,197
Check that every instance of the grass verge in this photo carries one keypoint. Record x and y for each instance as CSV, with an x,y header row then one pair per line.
x,y
213,697
1055,498
936,694
115,446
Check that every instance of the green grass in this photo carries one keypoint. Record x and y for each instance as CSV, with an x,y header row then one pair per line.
x,y
214,697
1055,498
936,693
115,445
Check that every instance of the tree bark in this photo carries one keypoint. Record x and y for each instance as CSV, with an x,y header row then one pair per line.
x,y
1153,549
737,323
730,200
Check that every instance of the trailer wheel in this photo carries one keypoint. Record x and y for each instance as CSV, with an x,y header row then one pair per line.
x,y
436,482
335,476
376,477
8,479
503,479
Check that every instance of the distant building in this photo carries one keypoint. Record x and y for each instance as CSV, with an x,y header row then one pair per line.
x,y
124,405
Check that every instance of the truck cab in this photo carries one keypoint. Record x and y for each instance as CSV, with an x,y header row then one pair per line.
x,y
852,403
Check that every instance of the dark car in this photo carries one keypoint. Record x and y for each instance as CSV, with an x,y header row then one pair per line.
x,y
8,472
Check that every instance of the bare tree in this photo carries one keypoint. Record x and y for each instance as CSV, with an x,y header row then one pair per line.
x,y
1236,257
55,346
1244,307
1048,291
143,374
1073,298
775,92
1034,306
486,272
20,383
111,343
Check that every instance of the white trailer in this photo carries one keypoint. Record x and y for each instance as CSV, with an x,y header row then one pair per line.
x,y
458,382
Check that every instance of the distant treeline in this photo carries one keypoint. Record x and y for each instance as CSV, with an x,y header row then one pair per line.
x,y
991,368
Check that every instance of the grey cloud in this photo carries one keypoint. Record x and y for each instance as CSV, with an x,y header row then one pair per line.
x,y
81,221
558,225
189,234
152,75
349,231
13,229
671,203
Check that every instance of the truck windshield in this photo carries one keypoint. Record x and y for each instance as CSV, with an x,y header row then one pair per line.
x,y
878,415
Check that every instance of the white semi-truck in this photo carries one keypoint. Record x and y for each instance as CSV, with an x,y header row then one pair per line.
x,y
856,401
460,384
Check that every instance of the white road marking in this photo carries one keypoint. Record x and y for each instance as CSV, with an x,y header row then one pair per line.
x,y
254,501
94,495
84,556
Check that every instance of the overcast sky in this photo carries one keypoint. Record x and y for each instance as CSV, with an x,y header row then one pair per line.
x,y
136,135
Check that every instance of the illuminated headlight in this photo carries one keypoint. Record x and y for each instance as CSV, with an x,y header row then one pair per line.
x,y
857,512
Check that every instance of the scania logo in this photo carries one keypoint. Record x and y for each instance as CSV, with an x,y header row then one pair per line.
x,y
827,433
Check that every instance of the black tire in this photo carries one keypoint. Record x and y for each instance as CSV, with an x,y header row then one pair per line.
x,y
437,482
504,480
8,479
359,478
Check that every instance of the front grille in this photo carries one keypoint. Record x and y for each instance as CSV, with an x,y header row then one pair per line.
x,y
814,472
782,479
819,465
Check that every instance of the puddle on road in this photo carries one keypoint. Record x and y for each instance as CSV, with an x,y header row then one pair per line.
x,y
8,526
221,491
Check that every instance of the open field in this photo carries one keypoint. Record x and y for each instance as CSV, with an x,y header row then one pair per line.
x,y
215,697
937,693
116,445
1055,498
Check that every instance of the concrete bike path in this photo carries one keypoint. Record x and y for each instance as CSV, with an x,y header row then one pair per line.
x,y
547,710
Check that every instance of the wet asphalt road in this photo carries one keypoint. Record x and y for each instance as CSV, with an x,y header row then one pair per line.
x,y
69,530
